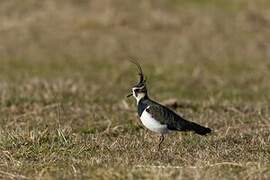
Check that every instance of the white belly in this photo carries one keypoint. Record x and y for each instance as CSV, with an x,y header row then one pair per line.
x,y
152,124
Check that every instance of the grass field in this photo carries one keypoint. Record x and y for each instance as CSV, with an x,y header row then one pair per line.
x,y
64,75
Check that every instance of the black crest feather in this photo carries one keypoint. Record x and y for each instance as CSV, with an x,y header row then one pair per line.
x,y
140,72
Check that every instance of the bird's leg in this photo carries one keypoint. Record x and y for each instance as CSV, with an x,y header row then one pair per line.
x,y
161,139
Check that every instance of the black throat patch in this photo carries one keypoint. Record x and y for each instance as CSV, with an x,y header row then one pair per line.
x,y
142,105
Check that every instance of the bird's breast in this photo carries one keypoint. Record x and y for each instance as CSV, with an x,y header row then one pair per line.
x,y
152,124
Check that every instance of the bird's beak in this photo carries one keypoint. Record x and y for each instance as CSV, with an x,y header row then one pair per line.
x,y
129,95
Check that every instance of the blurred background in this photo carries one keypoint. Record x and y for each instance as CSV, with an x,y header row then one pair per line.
x,y
171,31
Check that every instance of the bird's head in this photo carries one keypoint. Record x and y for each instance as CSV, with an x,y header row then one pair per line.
x,y
139,91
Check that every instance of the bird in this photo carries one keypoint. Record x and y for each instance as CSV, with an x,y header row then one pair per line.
x,y
159,118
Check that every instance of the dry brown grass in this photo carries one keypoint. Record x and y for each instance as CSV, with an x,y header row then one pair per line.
x,y
64,75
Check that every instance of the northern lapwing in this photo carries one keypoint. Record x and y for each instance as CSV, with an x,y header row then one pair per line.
x,y
157,117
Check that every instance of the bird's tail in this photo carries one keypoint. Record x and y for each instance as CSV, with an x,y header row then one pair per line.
x,y
198,129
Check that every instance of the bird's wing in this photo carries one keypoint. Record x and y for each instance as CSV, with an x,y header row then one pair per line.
x,y
166,116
